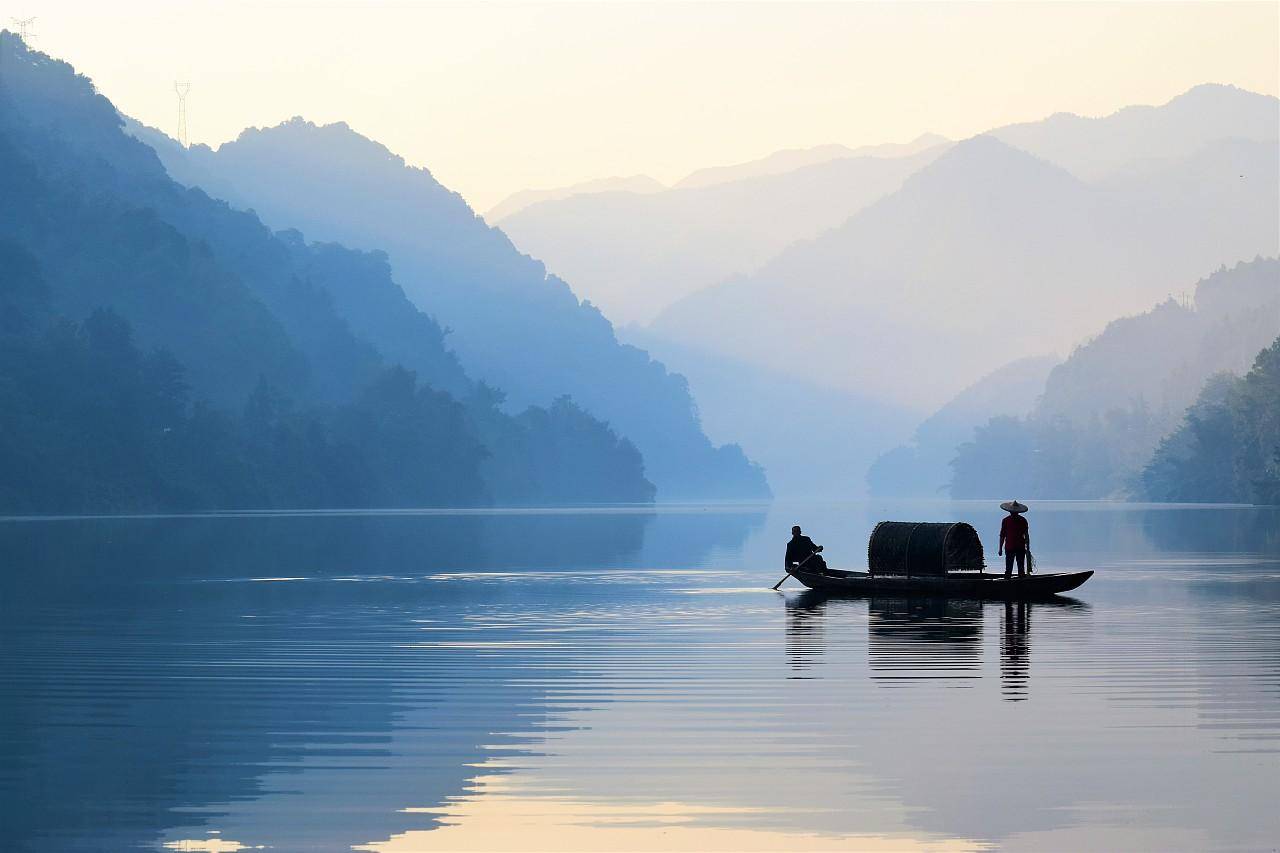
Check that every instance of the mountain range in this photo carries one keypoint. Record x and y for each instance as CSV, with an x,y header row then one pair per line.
x,y
986,255
1137,137
892,283
635,254
790,159
303,294
518,201
164,349
512,326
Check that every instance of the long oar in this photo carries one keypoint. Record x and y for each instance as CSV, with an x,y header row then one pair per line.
x,y
788,574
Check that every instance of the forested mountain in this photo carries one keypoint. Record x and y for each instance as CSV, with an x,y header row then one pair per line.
x,y
512,325
922,467
1228,446
164,350
634,254
1106,408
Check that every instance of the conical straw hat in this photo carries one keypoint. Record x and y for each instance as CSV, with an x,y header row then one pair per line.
x,y
1013,506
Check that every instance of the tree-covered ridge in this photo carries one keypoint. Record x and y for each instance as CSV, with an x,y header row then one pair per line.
x,y
278,373
513,325
1228,446
1107,407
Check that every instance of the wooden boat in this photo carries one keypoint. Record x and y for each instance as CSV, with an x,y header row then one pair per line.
x,y
928,558
958,585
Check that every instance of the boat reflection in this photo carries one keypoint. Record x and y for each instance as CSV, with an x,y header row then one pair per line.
x,y
910,640
918,640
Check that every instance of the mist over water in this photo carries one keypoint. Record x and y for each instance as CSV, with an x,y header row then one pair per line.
x,y
577,679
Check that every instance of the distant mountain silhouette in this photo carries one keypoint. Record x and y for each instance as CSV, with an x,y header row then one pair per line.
x,y
1093,148
796,158
1105,409
519,201
512,325
986,255
636,254
922,467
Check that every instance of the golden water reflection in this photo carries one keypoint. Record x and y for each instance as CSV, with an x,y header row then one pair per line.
x,y
499,816
213,844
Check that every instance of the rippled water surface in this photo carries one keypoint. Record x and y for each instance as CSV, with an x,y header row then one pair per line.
x,y
623,679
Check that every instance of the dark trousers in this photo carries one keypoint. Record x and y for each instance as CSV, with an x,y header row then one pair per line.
x,y
1010,555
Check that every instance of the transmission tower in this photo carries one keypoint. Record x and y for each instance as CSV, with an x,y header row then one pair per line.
x,y
23,26
182,87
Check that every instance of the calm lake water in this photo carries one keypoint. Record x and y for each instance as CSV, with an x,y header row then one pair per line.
x,y
623,679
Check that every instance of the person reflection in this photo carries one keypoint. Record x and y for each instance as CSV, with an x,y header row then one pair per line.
x,y
1015,667
805,642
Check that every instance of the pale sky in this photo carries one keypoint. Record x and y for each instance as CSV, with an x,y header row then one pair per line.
x,y
499,97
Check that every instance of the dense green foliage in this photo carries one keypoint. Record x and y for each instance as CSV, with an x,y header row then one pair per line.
x,y
1105,410
161,350
1228,447
89,422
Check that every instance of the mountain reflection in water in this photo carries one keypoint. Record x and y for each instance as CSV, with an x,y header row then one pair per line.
x,y
624,679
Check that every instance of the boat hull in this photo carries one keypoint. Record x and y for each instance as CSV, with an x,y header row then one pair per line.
x,y
976,585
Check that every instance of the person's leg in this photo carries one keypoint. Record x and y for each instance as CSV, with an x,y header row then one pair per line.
x,y
1022,562
1008,562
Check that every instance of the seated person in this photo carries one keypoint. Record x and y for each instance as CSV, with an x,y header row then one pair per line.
x,y
802,550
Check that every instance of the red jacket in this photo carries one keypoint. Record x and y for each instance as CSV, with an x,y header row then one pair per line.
x,y
1014,533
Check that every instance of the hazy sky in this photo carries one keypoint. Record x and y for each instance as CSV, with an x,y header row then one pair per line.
x,y
498,97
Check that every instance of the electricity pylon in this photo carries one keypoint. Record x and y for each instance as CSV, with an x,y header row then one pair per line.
x,y
182,87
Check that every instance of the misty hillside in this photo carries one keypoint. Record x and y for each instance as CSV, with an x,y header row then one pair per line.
x,y
921,468
815,441
1105,409
1094,148
512,325
986,255
520,200
163,350
635,254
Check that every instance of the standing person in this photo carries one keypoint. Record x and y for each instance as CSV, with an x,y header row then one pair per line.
x,y
1015,538
802,550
